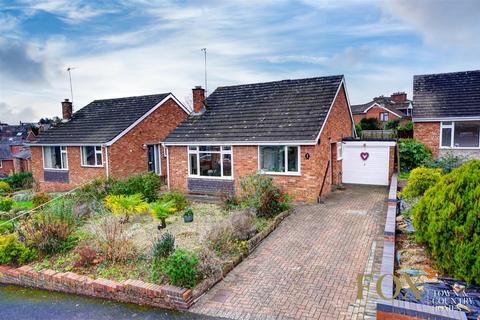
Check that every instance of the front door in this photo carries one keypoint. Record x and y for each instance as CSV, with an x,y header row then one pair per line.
x,y
154,158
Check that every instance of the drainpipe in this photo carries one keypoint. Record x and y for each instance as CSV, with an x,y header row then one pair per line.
x,y
168,165
106,161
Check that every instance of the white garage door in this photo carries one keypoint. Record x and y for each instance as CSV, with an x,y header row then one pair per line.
x,y
366,162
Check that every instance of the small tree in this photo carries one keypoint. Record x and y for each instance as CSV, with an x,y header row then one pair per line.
x,y
161,210
126,205
369,124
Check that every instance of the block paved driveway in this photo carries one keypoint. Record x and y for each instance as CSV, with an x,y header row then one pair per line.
x,y
307,268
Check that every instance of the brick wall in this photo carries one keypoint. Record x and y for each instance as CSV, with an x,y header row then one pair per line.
x,y
375,113
77,175
358,117
429,134
127,155
7,167
131,291
305,187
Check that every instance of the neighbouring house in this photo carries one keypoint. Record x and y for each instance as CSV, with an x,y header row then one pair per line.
x,y
384,109
291,130
106,138
14,154
446,114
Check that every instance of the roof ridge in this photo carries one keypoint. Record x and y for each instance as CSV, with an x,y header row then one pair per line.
x,y
445,73
279,81
129,97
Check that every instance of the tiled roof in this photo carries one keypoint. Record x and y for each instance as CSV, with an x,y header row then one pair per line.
x,y
288,110
396,107
5,153
100,121
455,94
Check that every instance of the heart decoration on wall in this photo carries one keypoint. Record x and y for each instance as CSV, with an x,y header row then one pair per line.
x,y
364,155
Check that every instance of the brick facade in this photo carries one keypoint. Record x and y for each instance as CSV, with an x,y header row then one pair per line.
x,y
303,187
7,167
126,156
428,133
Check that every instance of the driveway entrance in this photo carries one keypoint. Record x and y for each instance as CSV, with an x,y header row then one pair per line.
x,y
307,268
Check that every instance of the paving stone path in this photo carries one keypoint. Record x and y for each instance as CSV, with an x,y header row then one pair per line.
x,y
308,267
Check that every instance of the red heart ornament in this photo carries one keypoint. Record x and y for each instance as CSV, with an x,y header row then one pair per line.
x,y
364,155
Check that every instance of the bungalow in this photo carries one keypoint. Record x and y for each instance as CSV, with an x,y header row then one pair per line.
x,y
446,112
112,137
291,130
384,109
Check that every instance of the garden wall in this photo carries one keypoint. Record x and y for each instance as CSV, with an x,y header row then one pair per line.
x,y
130,291
390,308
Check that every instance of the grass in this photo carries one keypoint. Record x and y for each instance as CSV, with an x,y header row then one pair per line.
x,y
6,228
404,175
23,204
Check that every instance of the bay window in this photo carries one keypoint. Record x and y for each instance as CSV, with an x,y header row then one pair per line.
x,y
210,161
279,159
464,134
55,158
91,156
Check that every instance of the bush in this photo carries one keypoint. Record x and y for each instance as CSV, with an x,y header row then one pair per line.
x,y
5,187
162,248
369,124
95,191
230,202
40,198
392,124
147,184
221,238
208,264
181,268
86,256
447,220
419,180
259,192
243,224
20,180
6,204
178,200
412,154
447,163
13,252
358,130
407,126
126,205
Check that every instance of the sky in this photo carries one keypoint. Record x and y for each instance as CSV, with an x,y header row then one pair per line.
x,y
126,48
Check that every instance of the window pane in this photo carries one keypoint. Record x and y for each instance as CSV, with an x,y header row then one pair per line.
x,y
446,137
64,161
88,155
193,164
272,159
293,159
226,148
210,164
210,148
99,159
151,158
53,158
466,134
227,165
192,148
447,123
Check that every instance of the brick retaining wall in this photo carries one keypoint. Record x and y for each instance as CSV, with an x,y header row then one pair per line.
x,y
130,291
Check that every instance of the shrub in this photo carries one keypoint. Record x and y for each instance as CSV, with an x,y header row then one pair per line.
x,y
447,163
412,154
447,220
95,191
181,268
161,210
40,198
162,248
243,224
6,204
358,130
147,184
419,180
20,180
178,200
407,126
369,124
7,227
392,124
13,252
126,205
5,187
87,256
230,202
220,238
259,192
208,264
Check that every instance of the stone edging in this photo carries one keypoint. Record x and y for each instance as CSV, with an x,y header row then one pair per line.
x,y
397,309
253,243
130,291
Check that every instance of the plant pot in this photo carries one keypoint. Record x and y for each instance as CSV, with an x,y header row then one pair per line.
x,y
188,217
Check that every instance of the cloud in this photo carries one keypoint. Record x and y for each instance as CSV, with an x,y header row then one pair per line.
x,y
441,23
18,64
13,115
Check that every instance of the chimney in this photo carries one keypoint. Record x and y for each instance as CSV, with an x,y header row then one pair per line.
x,y
67,110
198,98
399,97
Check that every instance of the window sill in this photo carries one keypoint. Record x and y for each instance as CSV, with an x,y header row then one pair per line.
x,y
87,166
209,177
54,169
293,174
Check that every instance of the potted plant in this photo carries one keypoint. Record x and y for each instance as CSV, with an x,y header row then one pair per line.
x,y
161,210
188,215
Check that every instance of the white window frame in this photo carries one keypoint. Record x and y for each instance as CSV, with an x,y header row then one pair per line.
x,y
63,150
157,154
339,150
222,152
286,172
97,152
1,163
384,114
452,138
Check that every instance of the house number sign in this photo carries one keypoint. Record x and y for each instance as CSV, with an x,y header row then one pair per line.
x,y
364,156
307,155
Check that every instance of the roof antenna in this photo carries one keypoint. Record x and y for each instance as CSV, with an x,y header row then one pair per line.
x,y
69,69
205,57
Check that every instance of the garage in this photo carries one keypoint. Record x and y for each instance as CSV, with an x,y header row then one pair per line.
x,y
367,162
